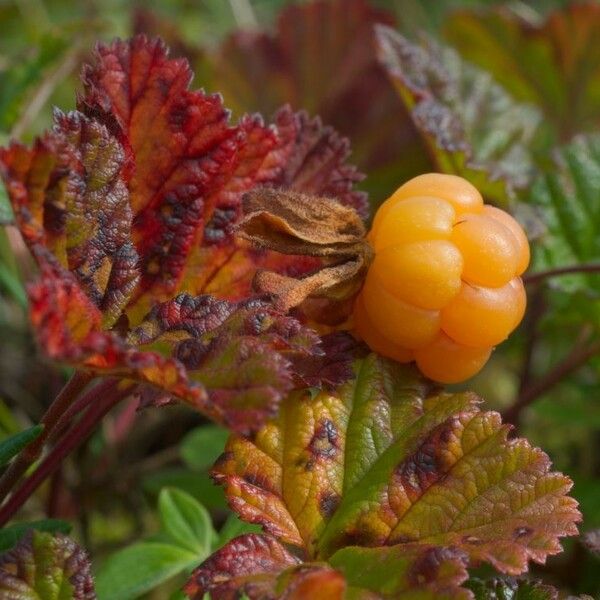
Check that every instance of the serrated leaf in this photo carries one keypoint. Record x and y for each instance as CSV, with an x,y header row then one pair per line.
x,y
45,566
259,566
237,351
539,63
568,197
384,462
13,445
436,573
134,199
201,447
511,589
186,521
470,125
11,534
129,573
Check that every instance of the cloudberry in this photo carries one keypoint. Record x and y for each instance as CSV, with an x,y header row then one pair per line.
x,y
444,287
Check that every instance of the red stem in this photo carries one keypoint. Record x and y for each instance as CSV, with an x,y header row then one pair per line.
x,y
541,275
93,396
79,432
576,359
50,420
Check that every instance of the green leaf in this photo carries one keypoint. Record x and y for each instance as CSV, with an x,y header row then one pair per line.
x,y
554,64
14,444
11,534
6,213
135,570
511,589
202,446
198,485
470,125
385,463
186,521
568,199
43,566
439,571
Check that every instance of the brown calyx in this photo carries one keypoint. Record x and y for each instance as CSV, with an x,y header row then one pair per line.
x,y
297,224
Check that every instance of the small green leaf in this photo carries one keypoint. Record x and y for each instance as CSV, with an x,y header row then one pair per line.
x,y
131,572
10,535
14,444
6,213
198,485
186,521
202,446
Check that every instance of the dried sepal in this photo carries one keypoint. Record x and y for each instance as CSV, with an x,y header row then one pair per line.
x,y
297,224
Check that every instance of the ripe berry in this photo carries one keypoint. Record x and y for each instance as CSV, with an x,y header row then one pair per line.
x,y
444,287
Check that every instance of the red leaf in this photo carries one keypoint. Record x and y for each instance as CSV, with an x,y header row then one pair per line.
x,y
260,567
136,199
43,565
67,326
235,567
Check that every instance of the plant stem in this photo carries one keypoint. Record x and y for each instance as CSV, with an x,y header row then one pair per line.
x,y
573,361
93,396
78,433
51,418
541,275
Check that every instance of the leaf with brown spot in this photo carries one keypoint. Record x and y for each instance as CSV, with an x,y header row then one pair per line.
x,y
260,567
135,199
241,353
384,462
470,124
46,566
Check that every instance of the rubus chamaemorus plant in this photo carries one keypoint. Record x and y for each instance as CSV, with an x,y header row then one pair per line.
x,y
150,216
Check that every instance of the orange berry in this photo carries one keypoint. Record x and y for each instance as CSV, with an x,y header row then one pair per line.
x,y
408,326
414,220
444,285
489,249
446,361
374,339
482,317
424,274
463,196
516,229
